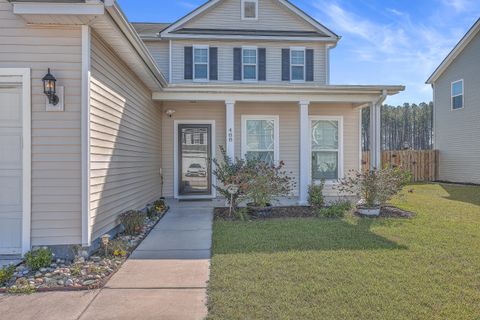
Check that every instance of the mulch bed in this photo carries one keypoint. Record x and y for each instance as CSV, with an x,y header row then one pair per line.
x,y
391,212
222,213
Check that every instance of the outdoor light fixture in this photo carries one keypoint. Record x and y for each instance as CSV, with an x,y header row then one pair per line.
x,y
170,112
49,88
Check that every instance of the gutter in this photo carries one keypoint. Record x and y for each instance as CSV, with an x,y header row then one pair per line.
x,y
120,19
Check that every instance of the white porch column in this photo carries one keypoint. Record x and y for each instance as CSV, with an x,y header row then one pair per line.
x,y
375,139
304,153
230,127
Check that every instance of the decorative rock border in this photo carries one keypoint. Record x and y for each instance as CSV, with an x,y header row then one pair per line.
x,y
91,273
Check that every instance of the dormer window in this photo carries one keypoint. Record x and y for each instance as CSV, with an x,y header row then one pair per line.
x,y
249,9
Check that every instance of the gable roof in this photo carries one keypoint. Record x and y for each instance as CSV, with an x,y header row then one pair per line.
x,y
323,31
149,29
457,50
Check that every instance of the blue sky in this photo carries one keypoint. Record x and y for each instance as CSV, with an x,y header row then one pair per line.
x,y
383,41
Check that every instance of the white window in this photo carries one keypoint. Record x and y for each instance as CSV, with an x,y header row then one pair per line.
x,y
260,138
297,64
249,9
249,63
200,62
457,95
327,148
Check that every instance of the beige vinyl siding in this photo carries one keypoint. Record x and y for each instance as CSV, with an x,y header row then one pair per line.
x,y
273,57
160,51
457,132
272,15
125,140
188,111
56,167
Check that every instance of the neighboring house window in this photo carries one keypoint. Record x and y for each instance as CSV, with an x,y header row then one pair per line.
x,y
457,95
249,9
297,64
249,63
260,137
326,146
200,63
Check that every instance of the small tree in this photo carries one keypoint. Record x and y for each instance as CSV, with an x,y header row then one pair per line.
x,y
375,187
230,172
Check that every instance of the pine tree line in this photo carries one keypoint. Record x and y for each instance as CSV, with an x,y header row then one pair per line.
x,y
404,127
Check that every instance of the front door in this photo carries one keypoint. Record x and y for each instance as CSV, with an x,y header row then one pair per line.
x,y
194,159
10,170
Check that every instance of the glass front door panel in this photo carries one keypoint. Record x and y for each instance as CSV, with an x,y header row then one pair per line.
x,y
194,159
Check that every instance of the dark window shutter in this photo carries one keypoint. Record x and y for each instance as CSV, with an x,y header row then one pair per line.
x,y
237,63
213,59
309,75
285,64
188,65
262,64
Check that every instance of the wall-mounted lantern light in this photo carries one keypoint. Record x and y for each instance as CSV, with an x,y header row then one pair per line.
x,y
50,89
170,112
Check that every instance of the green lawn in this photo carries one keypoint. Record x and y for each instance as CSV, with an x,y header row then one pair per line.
x,y
427,267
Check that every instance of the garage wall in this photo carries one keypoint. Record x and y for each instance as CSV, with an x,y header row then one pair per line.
x,y
56,168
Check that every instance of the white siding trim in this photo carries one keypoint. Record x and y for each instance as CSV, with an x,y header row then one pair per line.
x,y
305,177
170,61
175,158
25,73
230,127
59,8
276,120
341,162
85,129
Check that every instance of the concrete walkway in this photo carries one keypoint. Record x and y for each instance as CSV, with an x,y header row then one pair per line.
x,y
165,278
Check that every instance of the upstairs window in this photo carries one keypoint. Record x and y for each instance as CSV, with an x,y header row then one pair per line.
x,y
200,63
249,63
297,64
457,95
249,9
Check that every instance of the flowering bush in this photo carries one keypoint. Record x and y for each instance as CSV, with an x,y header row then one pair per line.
x,y
251,179
375,187
265,182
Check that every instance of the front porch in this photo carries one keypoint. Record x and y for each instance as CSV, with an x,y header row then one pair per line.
x,y
311,131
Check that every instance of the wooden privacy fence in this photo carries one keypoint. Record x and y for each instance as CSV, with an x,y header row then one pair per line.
x,y
422,164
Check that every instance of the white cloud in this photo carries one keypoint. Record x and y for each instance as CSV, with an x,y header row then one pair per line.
x,y
393,48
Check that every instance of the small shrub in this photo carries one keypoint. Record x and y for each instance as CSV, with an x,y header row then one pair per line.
x,y
76,270
6,274
375,187
117,248
315,195
133,221
336,210
40,258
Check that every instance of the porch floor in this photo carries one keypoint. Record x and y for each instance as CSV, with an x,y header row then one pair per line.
x,y
165,278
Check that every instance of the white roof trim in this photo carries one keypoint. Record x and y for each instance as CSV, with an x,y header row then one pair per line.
x,y
469,36
166,33
87,8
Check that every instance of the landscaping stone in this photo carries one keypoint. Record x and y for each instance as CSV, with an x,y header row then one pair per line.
x,y
79,273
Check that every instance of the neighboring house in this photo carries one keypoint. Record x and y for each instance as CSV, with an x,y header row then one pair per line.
x,y
146,108
456,99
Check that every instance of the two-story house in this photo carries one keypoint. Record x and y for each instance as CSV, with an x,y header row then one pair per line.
x,y
456,99
140,110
